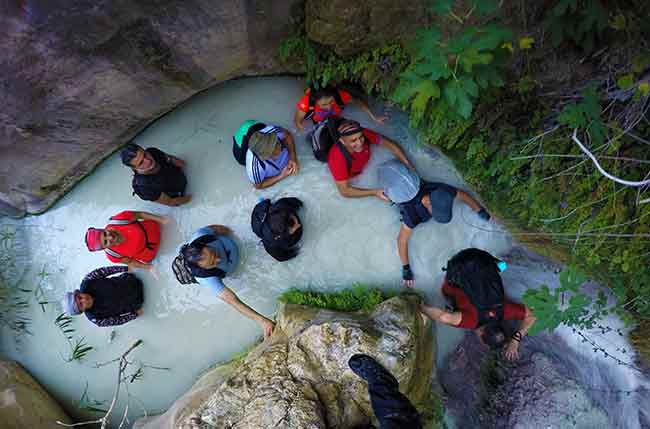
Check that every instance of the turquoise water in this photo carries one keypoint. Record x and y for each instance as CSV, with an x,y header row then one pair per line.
x,y
186,328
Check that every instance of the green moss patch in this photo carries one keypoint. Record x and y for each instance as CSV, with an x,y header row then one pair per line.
x,y
357,298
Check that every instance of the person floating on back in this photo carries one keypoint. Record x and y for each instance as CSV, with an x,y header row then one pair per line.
x,y
157,176
279,227
419,201
130,238
267,151
210,256
105,300
350,154
320,104
474,287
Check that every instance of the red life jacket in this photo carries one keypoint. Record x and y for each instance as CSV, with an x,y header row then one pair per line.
x,y
141,240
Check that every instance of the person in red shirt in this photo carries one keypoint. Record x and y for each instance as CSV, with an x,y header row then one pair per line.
x,y
130,238
465,315
349,156
319,105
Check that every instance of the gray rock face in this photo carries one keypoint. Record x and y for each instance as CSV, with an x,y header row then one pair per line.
x,y
534,392
80,78
349,27
300,378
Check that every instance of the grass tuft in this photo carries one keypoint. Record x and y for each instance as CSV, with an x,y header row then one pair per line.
x,y
358,297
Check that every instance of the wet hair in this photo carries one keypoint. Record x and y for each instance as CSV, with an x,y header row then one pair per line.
x,y
328,91
192,252
128,153
493,335
279,222
348,127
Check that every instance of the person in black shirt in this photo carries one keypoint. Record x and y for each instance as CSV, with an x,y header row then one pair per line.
x,y
105,300
158,177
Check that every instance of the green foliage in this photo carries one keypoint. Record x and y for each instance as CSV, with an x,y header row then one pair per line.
x,y
580,21
446,74
376,69
79,349
358,297
566,305
585,115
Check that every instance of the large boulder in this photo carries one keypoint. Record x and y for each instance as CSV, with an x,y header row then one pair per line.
x,y
81,78
24,403
349,27
299,378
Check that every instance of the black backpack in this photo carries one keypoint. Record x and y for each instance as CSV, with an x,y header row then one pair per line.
x,y
324,136
186,273
476,272
278,244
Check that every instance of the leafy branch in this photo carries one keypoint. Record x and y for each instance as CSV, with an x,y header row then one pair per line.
x,y
446,74
79,349
123,381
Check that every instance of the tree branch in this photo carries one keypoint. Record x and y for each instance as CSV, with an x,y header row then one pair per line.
x,y
602,171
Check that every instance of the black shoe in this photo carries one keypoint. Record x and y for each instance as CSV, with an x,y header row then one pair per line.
x,y
370,370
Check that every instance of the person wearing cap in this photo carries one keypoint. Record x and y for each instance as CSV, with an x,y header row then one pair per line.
x,y
130,238
271,156
106,300
211,255
351,153
157,176
419,201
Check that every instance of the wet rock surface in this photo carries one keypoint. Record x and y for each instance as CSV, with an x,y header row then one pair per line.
x,y
81,78
23,401
350,27
483,390
300,378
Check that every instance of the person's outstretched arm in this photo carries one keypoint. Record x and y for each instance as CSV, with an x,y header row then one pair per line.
x,y
403,250
166,200
150,216
297,120
270,181
229,297
440,315
100,273
363,105
349,191
291,147
512,348
115,320
396,150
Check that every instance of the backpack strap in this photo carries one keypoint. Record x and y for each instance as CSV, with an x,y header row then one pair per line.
x,y
118,222
182,271
113,253
346,154
112,221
